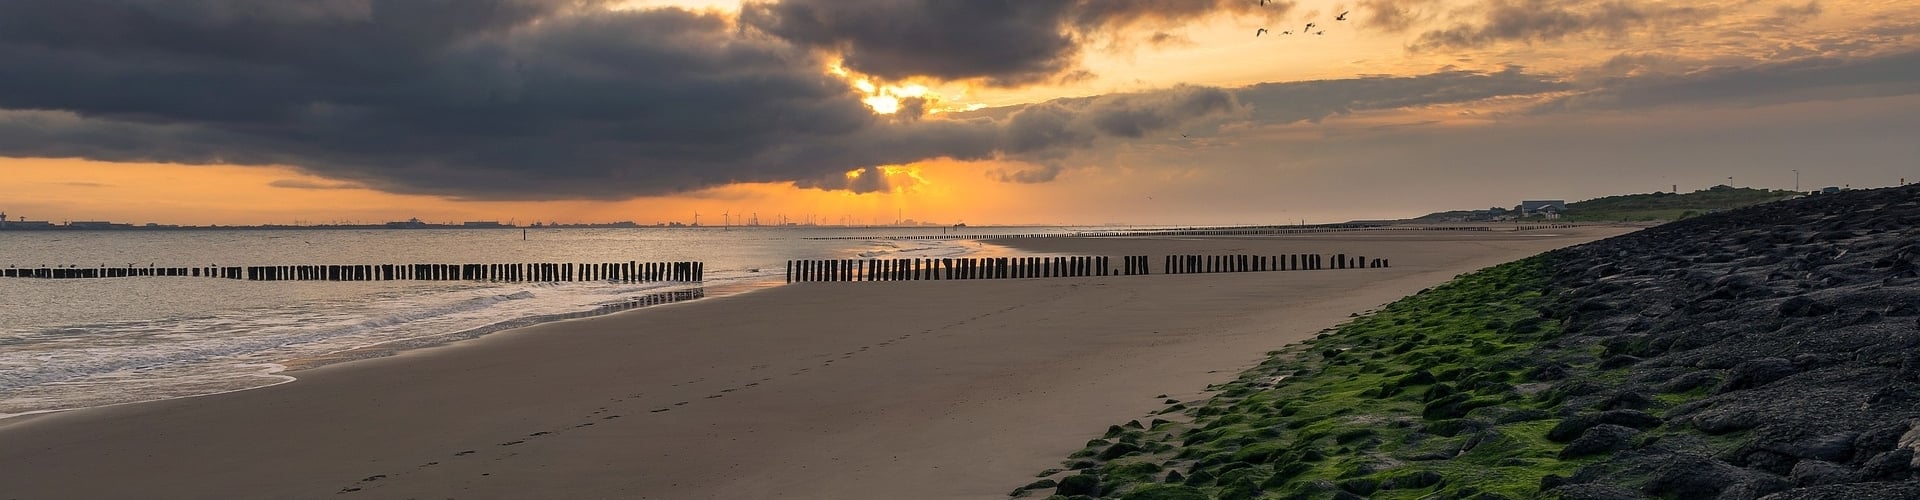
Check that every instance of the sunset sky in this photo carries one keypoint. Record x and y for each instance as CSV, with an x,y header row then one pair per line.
x,y
987,112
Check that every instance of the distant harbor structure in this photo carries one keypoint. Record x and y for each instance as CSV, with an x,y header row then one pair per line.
x,y
1541,207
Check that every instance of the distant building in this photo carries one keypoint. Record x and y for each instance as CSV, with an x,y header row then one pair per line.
x,y
23,223
94,224
483,224
1529,207
413,223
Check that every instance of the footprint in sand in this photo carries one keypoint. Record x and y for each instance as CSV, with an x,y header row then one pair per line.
x,y
349,490
511,443
729,390
541,433
375,477
464,453
656,410
609,417
714,396
682,403
583,425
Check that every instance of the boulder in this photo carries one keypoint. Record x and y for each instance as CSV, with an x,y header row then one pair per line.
x,y
1755,373
1820,472
1603,438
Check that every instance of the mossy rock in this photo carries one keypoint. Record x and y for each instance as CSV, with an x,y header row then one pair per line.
x,y
1167,492
1083,484
1036,485
1258,453
1118,450
1199,478
1133,471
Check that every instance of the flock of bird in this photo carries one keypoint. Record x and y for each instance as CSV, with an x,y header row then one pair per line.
x,y
1309,28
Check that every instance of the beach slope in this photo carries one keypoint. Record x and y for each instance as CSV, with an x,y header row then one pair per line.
x,y
817,390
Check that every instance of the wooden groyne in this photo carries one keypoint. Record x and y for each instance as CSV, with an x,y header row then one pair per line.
x,y
1192,231
629,272
921,269
1241,263
927,269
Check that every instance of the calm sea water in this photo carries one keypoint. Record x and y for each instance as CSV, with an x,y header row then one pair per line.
x,y
80,343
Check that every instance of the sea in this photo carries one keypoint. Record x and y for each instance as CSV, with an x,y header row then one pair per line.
x,y
76,343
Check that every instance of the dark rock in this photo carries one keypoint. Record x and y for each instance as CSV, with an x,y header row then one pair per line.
x,y
1082,484
1619,361
1777,463
1455,427
1755,486
1627,400
1590,491
1418,377
1879,439
1177,492
1036,485
1688,382
1896,465
1573,427
1906,490
1549,372
1522,415
1118,450
1817,472
1830,447
1360,486
1603,438
1692,477
1756,372
1412,481
1725,420
1174,477
1801,306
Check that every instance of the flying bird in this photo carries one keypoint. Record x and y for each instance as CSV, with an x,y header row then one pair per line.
x,y
1321,32
1308,28
1261,31
1287,32
1342,16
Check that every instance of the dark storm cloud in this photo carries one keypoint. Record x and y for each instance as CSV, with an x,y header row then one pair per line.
x,y
1001,42
552,100
1554,20
1804,79
484,104
1314,100
306,184
1393,16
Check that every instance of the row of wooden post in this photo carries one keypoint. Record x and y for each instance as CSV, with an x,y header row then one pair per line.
x,y
1190,264
1058,267
946,269
630,271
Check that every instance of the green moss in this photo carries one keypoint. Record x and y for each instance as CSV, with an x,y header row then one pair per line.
x,y
1363,401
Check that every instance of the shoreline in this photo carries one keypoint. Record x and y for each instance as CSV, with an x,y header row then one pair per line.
x,y
751,395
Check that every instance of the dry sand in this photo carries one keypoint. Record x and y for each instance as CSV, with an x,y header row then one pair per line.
x,y
818,390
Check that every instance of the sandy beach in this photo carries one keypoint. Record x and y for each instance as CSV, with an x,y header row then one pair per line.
x,y
815,390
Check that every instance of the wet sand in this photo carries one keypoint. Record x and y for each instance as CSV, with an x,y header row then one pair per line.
x,y
816,390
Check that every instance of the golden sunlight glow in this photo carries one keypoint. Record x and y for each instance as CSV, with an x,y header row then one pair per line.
x,y
882,104
884,98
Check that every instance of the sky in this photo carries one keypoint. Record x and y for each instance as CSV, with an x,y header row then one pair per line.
x,y
947,111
